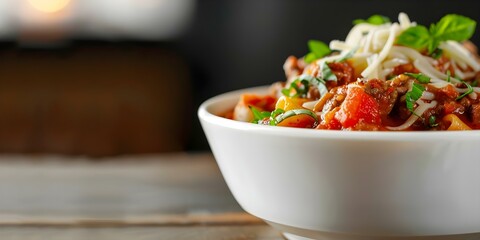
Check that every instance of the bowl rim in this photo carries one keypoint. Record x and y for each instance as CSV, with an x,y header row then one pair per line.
x,y
411,136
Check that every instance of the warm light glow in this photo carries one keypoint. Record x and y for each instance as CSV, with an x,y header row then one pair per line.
x,y
49,6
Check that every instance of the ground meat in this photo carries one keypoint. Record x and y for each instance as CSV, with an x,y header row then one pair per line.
x,y
343,71
332,99
400,83
465,102
293,67
447,93
475,114
404,68
313,93
384,94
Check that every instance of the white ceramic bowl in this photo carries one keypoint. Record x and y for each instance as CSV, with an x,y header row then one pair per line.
x,y
325,184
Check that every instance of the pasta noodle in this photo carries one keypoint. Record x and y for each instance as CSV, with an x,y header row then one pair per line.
x,y
455,123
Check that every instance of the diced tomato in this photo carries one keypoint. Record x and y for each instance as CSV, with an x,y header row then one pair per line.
x,y
453,107
242,110
334,124
264,103
330,122
358,107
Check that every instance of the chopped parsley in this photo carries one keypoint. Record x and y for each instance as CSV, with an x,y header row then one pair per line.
x,y
420,77
413,95
470,89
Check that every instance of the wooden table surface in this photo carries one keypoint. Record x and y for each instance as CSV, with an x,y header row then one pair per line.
x,y
176,196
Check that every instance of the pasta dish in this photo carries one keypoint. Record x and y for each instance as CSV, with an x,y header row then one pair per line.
x,y
385,76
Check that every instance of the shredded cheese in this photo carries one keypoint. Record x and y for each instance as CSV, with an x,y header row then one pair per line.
x,y
419,111
456,51
394,29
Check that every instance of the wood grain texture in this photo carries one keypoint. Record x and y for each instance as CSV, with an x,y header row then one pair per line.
x,y
261,232
177,196
114,188
183,220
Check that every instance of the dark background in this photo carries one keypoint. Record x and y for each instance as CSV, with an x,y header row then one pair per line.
x,y
101,98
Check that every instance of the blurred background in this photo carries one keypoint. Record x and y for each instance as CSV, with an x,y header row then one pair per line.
x,y
114,77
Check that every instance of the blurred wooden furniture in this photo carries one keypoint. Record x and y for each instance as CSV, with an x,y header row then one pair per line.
x,y
93,98
136,197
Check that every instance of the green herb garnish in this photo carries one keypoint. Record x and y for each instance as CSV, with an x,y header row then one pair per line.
x,y
449,76
327,73
300,86
273,116
258,115
318,49
295,112
374,19
474,83
420,77
432,121
450,27
437,53
470,89
318,82
412,96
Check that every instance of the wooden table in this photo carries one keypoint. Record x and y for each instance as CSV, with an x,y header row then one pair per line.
x,y
177,196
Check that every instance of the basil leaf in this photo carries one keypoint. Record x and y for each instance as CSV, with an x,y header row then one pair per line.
x,y
450,27
437,53
301,87
273,115
310,57
374,19
318,49
412,96
318,82
322,89
470,89
258,115
417,37
454,27
420,77
295,112
327,73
